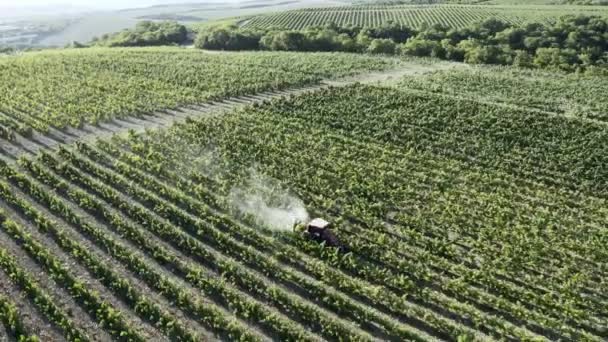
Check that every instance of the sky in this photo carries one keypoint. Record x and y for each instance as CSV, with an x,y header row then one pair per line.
x,y
93,4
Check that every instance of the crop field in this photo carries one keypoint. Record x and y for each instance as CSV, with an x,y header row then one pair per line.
x,y
466,217
456,16
551,92
69,88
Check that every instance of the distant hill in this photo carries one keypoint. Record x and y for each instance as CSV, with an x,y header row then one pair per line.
x,y
169,16
97,24
12,12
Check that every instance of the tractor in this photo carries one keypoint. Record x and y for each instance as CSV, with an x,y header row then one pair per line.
x,y
319,230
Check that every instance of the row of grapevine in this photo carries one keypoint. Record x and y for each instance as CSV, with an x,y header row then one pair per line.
x,y
454,16
216,262
12,321
465,217
43,302
139,303
572,264
211,316
75,87
103,312
22,180
571,96
373,275
543,322
202,210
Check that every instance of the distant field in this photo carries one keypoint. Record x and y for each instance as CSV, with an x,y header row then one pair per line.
x,y
23,33
416,15
96,24
531,2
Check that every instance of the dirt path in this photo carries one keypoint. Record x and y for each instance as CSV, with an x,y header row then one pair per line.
x,y
393,76
24,146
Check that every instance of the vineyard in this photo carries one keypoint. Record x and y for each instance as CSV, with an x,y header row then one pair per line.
x,y
466,217
550,92
58,89
456,16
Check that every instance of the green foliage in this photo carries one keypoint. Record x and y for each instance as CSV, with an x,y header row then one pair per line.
x,y
7,50
555,57
466,223
119,82
568,94
227,39
421,47
386,46
147,33
418,15
571,43
285,41
10,318
445,200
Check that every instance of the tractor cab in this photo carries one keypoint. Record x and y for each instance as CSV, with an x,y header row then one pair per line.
x,y
319,230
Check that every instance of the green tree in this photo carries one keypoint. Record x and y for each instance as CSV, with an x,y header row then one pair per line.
x,y
421,47
386,46
555,57
285,41
523,59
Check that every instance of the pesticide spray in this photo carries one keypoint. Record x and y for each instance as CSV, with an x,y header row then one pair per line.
x,y
260,197
263,198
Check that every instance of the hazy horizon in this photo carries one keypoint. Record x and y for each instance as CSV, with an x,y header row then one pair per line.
x,y
60,5
32,8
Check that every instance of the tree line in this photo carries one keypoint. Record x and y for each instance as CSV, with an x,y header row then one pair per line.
x,y
570,43
146,33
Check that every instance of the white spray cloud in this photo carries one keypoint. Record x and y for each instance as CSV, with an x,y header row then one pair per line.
x,y
187,158
269,204
261,197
